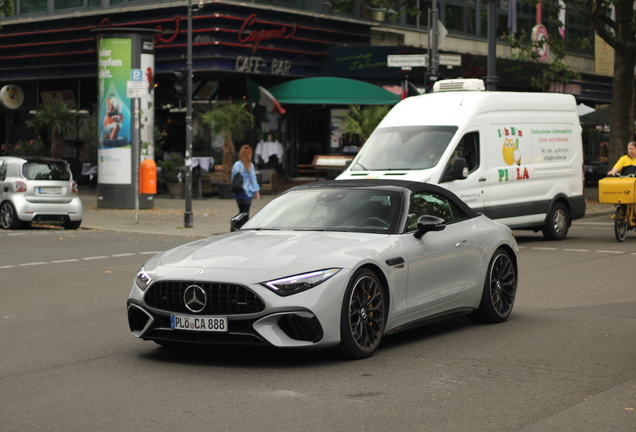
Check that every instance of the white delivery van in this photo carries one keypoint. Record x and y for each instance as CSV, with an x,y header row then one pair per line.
x,y
515,157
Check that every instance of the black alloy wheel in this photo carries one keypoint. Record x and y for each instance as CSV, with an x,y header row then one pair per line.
x,y
8,217
620,223
500,288
363,316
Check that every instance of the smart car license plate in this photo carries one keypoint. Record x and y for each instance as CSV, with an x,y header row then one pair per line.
x,y
210,324
50,190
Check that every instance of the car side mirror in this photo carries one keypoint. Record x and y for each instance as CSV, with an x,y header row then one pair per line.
x,y
428,223
238,221
460,169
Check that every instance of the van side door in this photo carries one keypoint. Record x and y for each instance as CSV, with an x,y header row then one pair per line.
x,y
473,189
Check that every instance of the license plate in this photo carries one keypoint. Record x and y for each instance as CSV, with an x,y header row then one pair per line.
x,y
50,190
187,322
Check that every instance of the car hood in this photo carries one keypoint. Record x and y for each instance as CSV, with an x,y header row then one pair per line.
x,y
252,250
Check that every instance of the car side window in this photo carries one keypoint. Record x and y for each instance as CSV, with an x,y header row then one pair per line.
x,y
432,204
3,170
468,149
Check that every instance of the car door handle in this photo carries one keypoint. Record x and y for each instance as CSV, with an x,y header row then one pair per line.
x,y
482,179
461,243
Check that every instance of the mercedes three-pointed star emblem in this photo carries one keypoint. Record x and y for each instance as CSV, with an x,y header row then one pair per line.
x,y
195,298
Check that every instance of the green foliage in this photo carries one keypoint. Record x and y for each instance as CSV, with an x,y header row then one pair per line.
x,y
234,121
525,49
7,8
29,148
88,134
170,169
58,119
363,121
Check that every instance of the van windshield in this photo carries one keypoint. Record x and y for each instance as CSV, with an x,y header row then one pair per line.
x,y
404,148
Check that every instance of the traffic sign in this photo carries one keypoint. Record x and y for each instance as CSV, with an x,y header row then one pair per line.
x,y
136,75
413,60
136,89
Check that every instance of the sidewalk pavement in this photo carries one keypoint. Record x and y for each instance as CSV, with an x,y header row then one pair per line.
x,y
211,216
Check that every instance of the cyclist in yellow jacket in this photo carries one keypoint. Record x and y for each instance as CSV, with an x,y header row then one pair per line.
x,y
627,164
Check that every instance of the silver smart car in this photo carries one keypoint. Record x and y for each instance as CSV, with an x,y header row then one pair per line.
x,y
37,189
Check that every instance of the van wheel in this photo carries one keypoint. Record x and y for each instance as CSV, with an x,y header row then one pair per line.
x,y
557,223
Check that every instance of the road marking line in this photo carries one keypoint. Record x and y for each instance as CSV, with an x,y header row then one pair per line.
x,y
577,250
545,248
124,254
64,261
93,258
6,267
32,264
150,253
16,234
608,251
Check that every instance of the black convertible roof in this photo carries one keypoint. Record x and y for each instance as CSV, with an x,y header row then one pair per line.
x,y
393,185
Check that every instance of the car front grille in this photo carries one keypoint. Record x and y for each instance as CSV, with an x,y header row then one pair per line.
x,y
221,298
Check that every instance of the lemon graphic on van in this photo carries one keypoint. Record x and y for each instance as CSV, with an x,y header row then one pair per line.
x,y
511,151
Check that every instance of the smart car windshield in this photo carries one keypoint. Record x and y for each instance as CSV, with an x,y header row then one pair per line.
x,y
404,148
335,209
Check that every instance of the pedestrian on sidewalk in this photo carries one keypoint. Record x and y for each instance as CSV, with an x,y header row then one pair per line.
x,y
251,189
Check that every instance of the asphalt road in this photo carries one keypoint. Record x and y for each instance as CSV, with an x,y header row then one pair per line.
x,y
565,361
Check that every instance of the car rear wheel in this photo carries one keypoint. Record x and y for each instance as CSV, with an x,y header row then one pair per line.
x,y
500,288
557,223
72,225
8,217
363,316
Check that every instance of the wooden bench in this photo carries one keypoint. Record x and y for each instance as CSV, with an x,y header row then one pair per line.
x,y
331,165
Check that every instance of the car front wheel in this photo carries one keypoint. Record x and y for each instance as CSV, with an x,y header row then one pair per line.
x,y
499,292
363,316
8,217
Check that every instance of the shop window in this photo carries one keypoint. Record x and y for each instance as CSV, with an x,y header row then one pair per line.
x,y
32,6
94,3
68,4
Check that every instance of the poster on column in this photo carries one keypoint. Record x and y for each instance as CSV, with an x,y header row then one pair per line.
x,y
114,118
147,109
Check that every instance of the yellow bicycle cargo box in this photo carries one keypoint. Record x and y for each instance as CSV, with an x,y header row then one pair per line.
x,y
617,190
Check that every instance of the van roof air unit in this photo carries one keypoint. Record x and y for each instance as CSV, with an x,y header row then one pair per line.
x,y
472,84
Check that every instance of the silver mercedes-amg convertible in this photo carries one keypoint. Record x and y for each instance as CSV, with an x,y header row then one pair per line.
x,y
333,264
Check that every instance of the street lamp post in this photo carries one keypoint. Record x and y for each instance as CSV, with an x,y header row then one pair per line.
x,y
188,216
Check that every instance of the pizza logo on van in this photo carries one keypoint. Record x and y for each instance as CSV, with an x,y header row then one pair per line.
x,y
511,155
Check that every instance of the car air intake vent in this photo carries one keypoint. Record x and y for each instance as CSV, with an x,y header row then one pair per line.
x,y
137,319
302,327
220,298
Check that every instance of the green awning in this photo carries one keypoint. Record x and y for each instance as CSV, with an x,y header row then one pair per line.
x,y
332,91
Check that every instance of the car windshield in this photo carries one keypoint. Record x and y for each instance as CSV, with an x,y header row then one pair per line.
x,y
335,209
46,171
404,148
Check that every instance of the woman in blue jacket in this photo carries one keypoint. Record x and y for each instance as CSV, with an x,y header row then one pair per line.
x,y
250,185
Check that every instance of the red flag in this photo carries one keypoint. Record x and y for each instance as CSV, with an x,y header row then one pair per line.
x,y
405,91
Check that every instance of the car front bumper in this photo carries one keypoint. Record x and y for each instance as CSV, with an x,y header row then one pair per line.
x,y
307,319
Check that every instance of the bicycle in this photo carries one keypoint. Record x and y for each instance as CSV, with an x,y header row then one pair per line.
x,y
620,191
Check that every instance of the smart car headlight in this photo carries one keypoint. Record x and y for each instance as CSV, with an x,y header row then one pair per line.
x,y
142,279
298,283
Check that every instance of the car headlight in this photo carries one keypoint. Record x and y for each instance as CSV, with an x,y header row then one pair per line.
x,y
142,280
298,283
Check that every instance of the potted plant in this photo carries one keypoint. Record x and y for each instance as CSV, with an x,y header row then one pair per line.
x,y
172,175
234,121
363,121
58,119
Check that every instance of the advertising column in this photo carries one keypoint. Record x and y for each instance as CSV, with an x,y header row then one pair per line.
x,y
119,52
